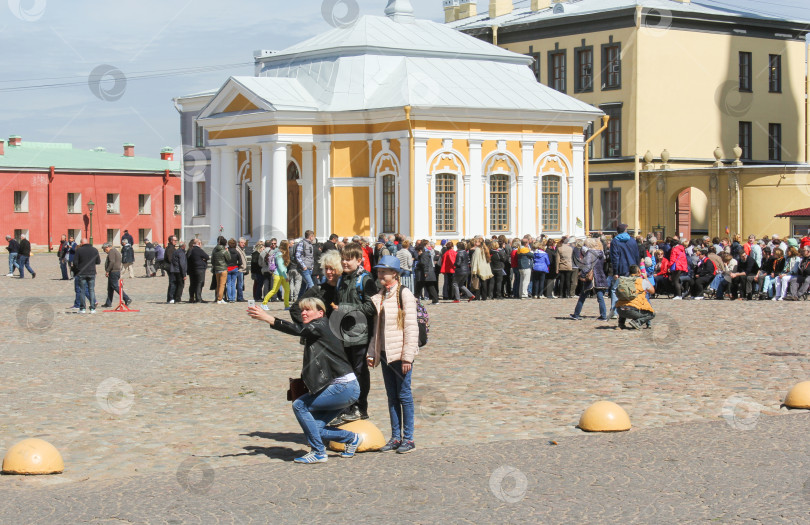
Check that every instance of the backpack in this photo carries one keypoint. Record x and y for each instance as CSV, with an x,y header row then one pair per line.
x,y
422,319
358,284
270,261
626,290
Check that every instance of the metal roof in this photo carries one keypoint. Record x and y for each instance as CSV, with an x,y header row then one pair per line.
x,y
43,155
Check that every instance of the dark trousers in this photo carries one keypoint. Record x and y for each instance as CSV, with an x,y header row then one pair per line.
x,y
742,286
112,287
196,279
538,283
258,283
485,292
628,312
565,283
357,358
700,284
549,287
575,287
675,277
431,289
497,284
176,285
447,287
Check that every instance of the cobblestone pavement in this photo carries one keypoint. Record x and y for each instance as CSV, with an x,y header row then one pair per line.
x,y
122,395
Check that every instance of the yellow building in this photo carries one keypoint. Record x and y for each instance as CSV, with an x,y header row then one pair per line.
x,y
683,85
390,124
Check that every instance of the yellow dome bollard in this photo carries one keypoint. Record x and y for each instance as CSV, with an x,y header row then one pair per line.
x,y
33,456
604,416
798,396
373,439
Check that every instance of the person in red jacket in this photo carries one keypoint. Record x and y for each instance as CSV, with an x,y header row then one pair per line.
x,y
677,266
661,269
448,268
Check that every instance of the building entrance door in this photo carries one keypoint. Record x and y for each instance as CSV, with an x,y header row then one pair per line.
x,y
683,214
293,202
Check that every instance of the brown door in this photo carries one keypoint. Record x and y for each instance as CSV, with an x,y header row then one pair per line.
x,y
293,203
684,214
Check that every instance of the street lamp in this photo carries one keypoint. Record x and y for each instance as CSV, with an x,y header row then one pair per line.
x,y
90,206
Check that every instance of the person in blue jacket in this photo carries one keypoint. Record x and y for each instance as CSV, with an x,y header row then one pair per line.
x,y
623,254
539,271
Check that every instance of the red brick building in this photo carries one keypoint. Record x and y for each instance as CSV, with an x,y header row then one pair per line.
x,y
46,189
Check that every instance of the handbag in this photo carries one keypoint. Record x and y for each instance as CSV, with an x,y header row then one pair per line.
x,y
587,277
297,388
476,282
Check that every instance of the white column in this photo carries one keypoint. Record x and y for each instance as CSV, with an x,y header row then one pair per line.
x,y
214,197
578,188
256,193
528,191
476,205
466,219
307,189
421,195
229,204
265,191
323,195
278,192
404,187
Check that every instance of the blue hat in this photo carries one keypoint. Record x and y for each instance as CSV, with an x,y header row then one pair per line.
x,y
390,262
444,241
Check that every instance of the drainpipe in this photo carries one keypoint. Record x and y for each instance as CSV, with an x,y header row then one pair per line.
x,y
50,180
163,197
410,164
605,120
495,35
636,192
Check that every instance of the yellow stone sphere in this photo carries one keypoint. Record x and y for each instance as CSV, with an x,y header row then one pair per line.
x,y
798,396
604,416
33,456
373,439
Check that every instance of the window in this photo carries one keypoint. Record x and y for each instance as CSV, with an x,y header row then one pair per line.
x,y
177,233
20,201
745,71
199,203
499,203
112,203
551,203
76,234
775,73
588,134
178,205
611,66
536,65
19,233
199,136
144,204
611,208
556,70
389,204
612,140
774,141
74,202
583,74
745,140
114,236
445,202
144,236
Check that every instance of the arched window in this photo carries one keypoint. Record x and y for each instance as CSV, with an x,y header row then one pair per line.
x,y
445,202
499,203
551,203
389,207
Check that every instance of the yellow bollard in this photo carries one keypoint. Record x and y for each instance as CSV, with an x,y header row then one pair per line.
x,y
373,439
604,416
33,456
798,396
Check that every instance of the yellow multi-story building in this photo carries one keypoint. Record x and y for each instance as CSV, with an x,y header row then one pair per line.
x,y
708,129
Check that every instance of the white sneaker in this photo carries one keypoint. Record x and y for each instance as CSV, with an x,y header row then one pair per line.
x,y
82,311
171,302
220,302
780,299
92,310
265,307
774,299
698,298
9,275
677,298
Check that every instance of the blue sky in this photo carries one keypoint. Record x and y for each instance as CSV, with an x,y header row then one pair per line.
x,y
65,43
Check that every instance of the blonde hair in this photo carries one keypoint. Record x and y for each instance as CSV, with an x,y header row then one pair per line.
x,y
331,259
312,303
594,244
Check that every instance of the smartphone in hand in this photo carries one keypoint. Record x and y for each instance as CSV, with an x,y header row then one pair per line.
x,y
251,303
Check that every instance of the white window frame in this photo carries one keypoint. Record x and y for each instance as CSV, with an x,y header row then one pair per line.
x,y
460,171
144,236
116,240
77,203
115,206
514,169
23,201
146,209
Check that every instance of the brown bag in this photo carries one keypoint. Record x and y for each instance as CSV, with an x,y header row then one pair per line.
x,y
586,277
297,388
475,282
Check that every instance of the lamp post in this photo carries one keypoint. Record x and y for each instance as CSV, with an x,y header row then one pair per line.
x,y
90,206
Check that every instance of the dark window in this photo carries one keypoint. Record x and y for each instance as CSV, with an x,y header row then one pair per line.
x,y
583,74
499,203
745,140
589,134
612,137
611,208
536,65
551,202
199,136
556,70
389,200
445,202
774,141
745,71
611,66
775,73
200,201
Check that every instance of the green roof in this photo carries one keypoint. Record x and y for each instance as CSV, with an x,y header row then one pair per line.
x,y
65,157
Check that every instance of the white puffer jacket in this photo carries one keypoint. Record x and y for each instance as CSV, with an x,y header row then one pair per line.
x,y
398,344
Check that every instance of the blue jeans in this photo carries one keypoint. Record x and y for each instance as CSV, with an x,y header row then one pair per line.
x,y
77,289
63,265
715,284
22,263
613,285
87,283
315,412
515,283
400,399
769,286
600,298
240,286
306,275
230,285
12,262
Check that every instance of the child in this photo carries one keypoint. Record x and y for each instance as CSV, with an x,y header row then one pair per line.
x,y
328,376
355,312
282,259
637,309
395,344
